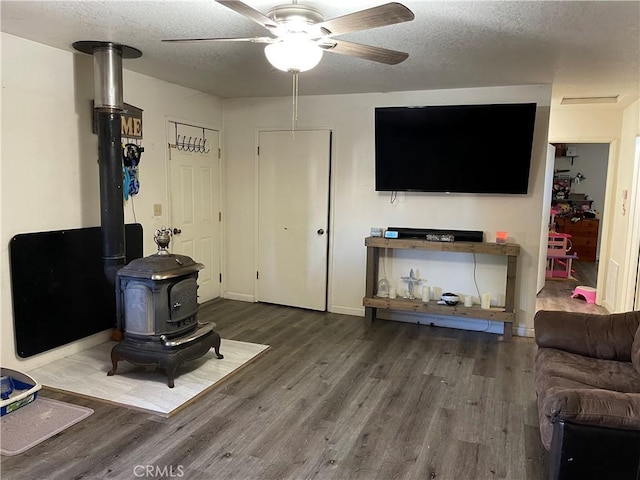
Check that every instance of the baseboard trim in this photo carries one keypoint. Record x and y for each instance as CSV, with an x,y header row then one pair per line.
x,y
524,332
356,312
476,325
243,297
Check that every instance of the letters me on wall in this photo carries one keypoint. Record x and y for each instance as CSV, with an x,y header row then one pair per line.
x,y
131,121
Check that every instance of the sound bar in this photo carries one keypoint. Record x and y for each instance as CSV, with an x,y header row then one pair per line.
x,y
422,233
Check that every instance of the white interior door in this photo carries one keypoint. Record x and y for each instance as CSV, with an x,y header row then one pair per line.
x,y
293,215
195,207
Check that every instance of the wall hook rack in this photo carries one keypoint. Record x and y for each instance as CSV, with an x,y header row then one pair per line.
x,y
191,144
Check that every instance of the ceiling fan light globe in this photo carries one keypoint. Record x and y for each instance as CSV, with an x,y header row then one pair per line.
x,y
293,56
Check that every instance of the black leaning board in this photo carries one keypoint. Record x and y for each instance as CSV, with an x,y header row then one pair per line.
x,y
59,289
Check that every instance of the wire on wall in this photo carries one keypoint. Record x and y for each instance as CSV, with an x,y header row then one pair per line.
x,y
475,281
133,209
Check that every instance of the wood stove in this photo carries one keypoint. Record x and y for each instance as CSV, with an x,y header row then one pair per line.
x,y
157,308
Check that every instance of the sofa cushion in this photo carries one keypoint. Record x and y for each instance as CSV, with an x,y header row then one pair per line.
x,y
635,351
577,371
609,337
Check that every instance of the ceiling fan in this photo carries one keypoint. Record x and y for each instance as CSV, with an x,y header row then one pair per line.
x,y
300,34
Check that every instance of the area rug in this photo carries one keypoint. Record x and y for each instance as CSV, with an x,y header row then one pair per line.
x,y
144,388
34,423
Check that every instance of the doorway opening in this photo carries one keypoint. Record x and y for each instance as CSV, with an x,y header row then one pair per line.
x,y
576,217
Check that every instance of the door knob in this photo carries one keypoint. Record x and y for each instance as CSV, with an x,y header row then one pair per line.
x,y
320,232
177,231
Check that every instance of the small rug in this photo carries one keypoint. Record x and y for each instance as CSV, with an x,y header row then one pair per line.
x,y
143,388
34,423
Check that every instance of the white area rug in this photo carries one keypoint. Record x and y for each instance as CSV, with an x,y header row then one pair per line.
x,y
141,388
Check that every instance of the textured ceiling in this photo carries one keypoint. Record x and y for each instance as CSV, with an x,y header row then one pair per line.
x,y
582,48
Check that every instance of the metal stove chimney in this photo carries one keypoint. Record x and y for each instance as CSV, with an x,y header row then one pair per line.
x,y
109,105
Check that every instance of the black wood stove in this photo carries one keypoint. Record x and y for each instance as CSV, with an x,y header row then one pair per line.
x,y
156,296
157,308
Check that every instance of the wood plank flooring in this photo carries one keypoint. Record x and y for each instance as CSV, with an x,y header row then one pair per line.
x,y
556,294
330,400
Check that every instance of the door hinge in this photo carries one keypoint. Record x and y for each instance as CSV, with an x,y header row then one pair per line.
x,y
220,278
219,216
257,275
219,153
258,150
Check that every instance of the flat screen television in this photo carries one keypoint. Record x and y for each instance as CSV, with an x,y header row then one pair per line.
x,y
454,148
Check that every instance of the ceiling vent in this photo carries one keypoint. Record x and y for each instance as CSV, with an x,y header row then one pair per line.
x,y
589,100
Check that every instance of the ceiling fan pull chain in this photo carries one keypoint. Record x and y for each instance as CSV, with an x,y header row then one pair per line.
x,y
294,118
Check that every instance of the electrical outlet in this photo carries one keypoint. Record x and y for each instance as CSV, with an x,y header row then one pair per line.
x,y
157,209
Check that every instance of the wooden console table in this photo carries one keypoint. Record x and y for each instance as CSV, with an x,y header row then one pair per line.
x,y
506,314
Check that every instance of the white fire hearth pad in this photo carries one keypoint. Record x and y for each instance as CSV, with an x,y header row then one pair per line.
x,y
144,388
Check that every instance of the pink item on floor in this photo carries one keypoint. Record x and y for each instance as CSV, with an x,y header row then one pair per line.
x,y
588,293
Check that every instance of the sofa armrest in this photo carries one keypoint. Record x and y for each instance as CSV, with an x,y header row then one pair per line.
x,y
590,406
608,337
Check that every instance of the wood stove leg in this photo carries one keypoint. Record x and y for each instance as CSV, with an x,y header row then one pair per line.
x,y
171,374
216,345
115,358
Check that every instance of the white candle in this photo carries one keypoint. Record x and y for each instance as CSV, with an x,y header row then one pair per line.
x,y
392,292
486,301
468,301
426,294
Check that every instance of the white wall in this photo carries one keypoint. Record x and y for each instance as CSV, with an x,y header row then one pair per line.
x,y
584,124
624,248
49,155
606,124
356,206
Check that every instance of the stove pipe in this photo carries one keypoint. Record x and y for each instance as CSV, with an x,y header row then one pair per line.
x,y
109,105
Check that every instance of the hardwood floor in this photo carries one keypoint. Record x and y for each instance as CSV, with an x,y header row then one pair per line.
x,y
556,294
330,400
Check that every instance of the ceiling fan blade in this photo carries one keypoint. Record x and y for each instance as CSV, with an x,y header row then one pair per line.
x,y
387,14
251,13
367,52
222,39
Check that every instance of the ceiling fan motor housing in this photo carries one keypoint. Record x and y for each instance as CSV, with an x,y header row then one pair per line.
x,y
295,18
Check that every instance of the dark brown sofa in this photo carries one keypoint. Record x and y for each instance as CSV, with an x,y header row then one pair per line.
x,y
587,375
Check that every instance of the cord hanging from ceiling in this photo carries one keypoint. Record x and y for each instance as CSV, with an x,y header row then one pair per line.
x,y
294,113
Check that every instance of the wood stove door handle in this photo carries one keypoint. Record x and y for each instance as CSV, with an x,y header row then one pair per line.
x,y
177,231
177,305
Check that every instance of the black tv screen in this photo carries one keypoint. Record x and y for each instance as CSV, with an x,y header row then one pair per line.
x,y
454,148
